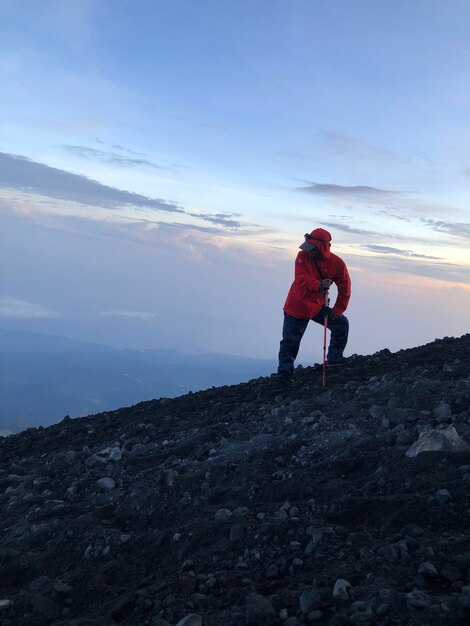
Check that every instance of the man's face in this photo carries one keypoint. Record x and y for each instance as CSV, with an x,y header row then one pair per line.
x,y
314,254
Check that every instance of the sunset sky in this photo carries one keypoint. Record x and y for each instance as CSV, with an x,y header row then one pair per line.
x,y
161,160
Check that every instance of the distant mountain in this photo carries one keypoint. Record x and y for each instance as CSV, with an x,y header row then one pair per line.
x,y
44,377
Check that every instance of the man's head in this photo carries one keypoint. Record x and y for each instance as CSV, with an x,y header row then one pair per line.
x,y
317,244
314,253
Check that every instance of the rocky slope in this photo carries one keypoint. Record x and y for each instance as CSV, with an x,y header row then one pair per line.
x,y
251,504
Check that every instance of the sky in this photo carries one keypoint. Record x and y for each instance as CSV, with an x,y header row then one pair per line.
x,y
161,160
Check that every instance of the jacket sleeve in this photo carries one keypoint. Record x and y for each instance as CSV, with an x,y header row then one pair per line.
x,y
308,286
343,282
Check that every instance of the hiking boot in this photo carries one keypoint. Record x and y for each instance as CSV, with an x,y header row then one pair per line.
x,y
340,361
283,378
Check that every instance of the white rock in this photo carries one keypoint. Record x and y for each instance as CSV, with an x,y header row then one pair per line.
x,y
447,440
340,590
115,454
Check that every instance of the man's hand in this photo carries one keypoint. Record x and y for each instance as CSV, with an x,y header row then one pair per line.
x,y
326,284
333,315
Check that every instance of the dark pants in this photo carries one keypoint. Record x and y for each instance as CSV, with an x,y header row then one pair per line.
x,y
293,332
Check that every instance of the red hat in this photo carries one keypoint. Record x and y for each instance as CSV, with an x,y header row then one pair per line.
x,y
318,238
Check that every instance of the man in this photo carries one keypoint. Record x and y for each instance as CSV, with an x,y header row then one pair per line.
x,y
316,269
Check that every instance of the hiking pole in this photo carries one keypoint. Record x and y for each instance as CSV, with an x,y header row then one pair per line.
x,y
325,326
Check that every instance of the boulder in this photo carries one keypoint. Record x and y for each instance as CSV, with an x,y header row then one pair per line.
x,y
446,440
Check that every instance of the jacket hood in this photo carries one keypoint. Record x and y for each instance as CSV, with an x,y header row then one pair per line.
x,y
321,239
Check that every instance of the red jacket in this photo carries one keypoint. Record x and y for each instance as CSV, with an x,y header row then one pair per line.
x,y
305,299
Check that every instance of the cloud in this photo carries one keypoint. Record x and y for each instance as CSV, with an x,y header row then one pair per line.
x,y
349,229
124,149
385,263
342,144
381,235
21,309
117,146
406,253
116,228
346,191
395,215
140,315
457,229
220,219
196,284
102,156
25,175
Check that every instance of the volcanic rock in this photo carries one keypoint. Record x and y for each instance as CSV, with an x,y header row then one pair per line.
x,y
259,610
